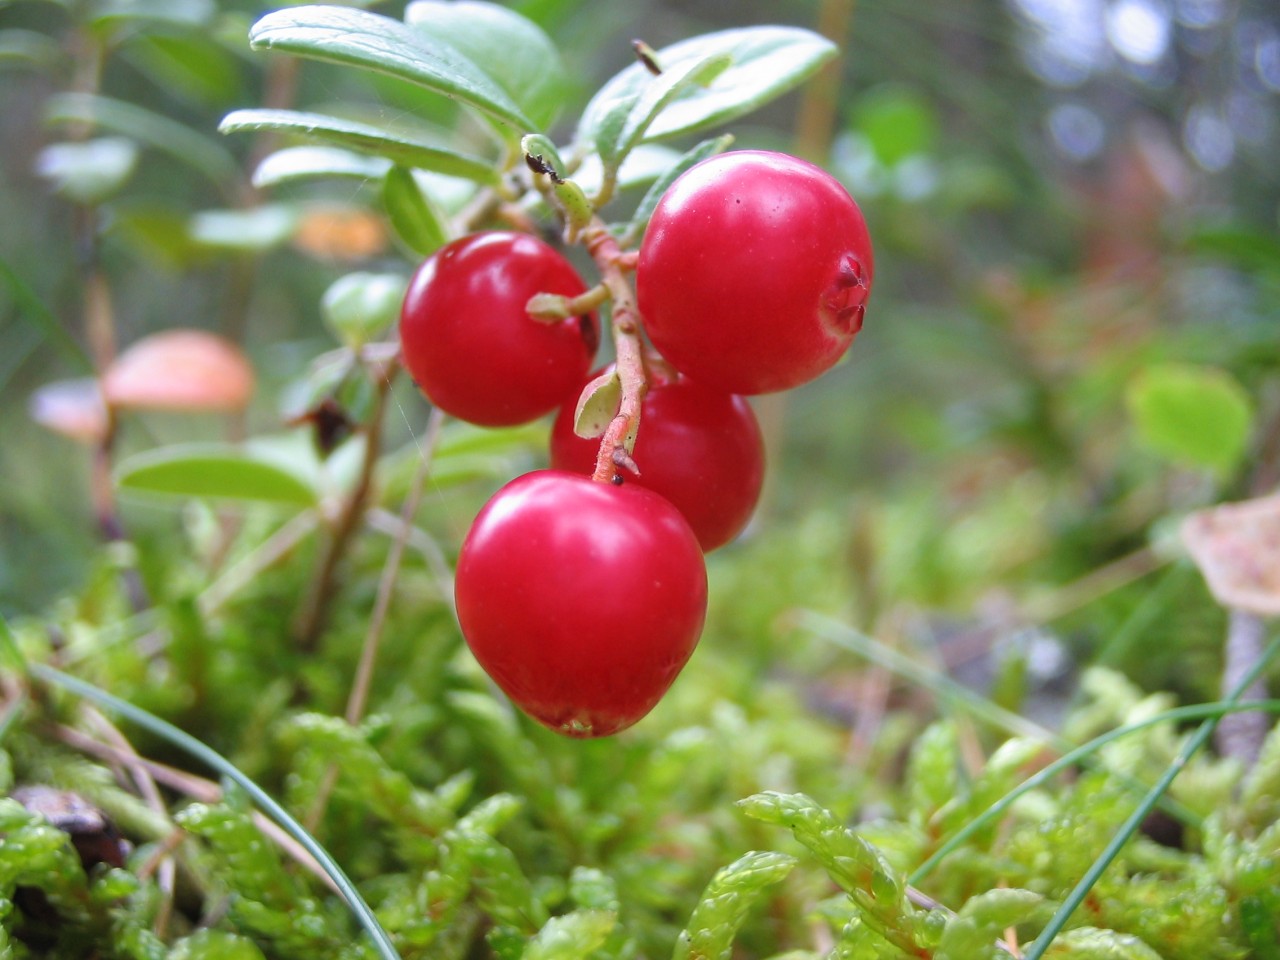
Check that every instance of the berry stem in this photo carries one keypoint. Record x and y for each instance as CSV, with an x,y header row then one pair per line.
x,y
619,437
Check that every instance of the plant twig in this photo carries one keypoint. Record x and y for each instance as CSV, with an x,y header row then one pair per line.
x,y
311,619
618,441
359,698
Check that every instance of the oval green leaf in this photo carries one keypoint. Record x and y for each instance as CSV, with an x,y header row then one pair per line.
x,y
245,231
364,138
153,129
89,171
1198,416
293,164
220,471
374,42
625,121
766,63
515,52
417,221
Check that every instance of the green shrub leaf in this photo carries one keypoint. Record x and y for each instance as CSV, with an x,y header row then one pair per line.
x,y
364,138
314,162
515,52
765,63
416,219
220,471
1199,416
374,42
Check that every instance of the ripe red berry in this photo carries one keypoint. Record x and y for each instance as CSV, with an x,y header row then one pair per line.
x,y
582,600
471,346
698,447
754,272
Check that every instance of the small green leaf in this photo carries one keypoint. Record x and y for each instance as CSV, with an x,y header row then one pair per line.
x,y
90,171
365,138
539,146
220,471
598,405
374,42
417,221
27,48
625,121
897,123
188,66
248,231
572,936
1199,416
147,127
515,52
640,219
182,13
766,62
314,162
726,902
361,306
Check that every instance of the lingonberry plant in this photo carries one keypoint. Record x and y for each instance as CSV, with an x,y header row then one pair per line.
x,y
581,591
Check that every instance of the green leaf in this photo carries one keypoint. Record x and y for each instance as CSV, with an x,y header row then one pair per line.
x,y
644,211
374,42
189,66
365,138
1199,416
27,48
313,162
90,171
598,405
248,231
897,123
153,129
766,63
515,52
213,470
146,13
417,221
626,119
572,936
726,902
361,306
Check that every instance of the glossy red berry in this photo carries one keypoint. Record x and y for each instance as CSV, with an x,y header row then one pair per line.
x,y
471,346
754,272
698,447
582,600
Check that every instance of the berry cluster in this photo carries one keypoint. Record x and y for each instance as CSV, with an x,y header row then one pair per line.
x,y
581,589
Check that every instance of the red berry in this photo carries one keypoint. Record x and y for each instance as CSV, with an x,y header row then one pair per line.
x,y
754,272
698,447
582,600
469,343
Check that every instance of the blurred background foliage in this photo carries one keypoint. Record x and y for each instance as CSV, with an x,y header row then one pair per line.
x,y
1074,204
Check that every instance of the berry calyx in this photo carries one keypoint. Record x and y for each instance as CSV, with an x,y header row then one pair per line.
x,y
469,342
698,447
754,272
582,600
